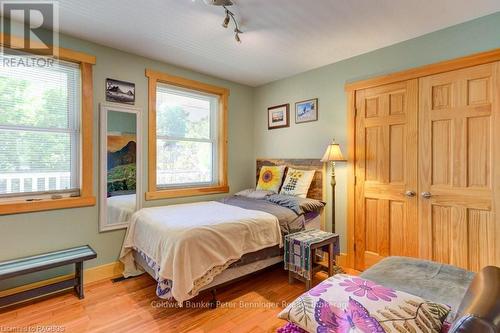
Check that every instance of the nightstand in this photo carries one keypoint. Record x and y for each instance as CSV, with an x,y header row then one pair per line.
x,y
300,254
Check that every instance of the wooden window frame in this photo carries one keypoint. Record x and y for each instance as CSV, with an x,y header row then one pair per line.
x,y
86,197
222,186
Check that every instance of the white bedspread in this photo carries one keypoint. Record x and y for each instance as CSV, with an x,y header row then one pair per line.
x,y
121,208
188,240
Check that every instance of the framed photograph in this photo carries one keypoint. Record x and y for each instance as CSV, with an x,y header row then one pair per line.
x,y
278,116
306,111
120,91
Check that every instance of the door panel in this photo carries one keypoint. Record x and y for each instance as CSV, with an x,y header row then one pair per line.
x,y
398,228
386,167
479,159
397,150
441,152
457,132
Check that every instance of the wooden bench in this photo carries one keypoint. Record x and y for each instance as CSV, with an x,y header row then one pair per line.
x,y
26,265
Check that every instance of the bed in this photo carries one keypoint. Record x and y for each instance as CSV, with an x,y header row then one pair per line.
x,y
205,245
121,207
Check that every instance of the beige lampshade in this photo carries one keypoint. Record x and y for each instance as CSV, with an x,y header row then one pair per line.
x,y
333,153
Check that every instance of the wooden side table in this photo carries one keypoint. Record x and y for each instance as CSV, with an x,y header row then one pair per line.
x,y
330,246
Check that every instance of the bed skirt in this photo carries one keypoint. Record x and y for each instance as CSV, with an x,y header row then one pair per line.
x,y
236,270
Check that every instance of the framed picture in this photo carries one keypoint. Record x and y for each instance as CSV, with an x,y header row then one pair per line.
x,y
306,111
278,116
120,91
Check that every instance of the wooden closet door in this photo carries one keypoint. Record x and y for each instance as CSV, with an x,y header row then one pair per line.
x,y
459,166
386,173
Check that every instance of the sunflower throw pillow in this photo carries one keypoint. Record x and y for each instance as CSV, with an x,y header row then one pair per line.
x,y
270,178
297,182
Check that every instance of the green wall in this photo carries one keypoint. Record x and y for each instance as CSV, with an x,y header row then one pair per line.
x,y
32,233
309,140
121,122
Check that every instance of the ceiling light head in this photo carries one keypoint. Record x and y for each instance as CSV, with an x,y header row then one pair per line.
x,y
219,2
226,20
229,16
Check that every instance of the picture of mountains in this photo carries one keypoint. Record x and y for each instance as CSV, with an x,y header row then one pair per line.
x,y
126,155
121,159
120,91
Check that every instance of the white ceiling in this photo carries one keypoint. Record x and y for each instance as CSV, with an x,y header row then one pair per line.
x,y
281,37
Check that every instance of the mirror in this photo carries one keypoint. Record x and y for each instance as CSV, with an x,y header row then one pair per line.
x,y
120,164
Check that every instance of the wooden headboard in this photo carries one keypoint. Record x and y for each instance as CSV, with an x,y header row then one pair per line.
x,y
317,189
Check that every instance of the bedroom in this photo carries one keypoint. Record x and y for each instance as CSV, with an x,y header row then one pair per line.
x,y
278,96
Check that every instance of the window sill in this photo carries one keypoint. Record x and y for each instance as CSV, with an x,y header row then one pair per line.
x,y
186,192
16,207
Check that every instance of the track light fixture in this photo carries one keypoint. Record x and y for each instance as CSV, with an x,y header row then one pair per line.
x,y
219,2
229,16
227,19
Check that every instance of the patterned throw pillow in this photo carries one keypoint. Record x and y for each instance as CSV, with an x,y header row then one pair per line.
x,y
270,178
345,303
297,182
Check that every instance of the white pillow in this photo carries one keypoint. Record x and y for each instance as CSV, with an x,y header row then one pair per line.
x,y
254,194
297,182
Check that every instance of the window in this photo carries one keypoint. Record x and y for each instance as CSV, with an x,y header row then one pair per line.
x,y
39,129
187,137
45,133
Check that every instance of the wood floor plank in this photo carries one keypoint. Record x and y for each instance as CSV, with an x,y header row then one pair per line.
x,y
250,306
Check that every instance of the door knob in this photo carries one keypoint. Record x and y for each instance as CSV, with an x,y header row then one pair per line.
x,y
410,194
426,195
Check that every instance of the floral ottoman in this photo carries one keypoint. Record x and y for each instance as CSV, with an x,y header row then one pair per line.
x,y
345,303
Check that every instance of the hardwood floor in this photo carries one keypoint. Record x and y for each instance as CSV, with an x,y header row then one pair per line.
x,y
132,306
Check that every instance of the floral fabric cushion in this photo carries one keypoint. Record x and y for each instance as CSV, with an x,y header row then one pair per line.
x,y
297,182
290,328
270,178
345,303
